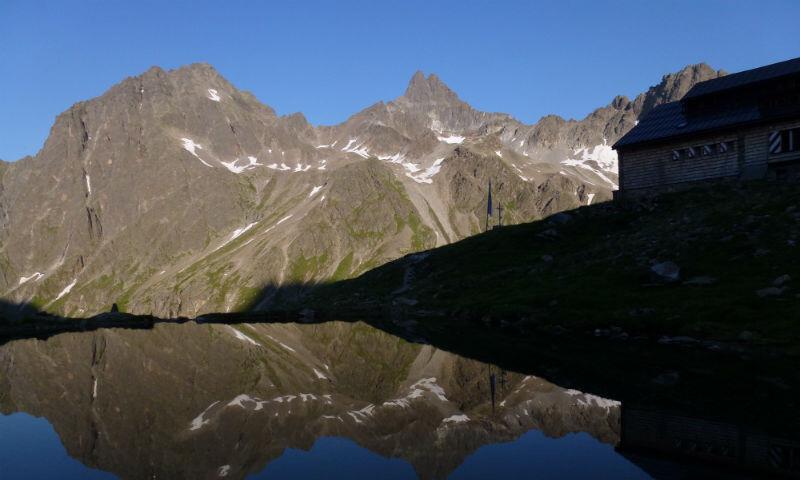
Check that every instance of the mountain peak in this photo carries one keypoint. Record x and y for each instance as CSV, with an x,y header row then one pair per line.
x,y
199,67
429,90
673,86
697,72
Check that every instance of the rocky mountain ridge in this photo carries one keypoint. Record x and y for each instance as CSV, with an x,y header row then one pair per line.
x,y
174,193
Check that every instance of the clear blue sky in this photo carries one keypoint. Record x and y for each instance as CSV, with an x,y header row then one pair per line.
x,y
329,59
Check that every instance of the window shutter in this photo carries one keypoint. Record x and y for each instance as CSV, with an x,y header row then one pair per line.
x,y
775,142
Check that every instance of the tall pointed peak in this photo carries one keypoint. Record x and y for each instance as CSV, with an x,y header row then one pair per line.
x,y
199,67
697,72
428,89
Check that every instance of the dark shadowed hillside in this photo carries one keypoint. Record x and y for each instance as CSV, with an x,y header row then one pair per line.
x,y
609,265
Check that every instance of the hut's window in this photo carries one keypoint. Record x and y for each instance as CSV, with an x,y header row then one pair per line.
x,y
710,149
781,141
725,146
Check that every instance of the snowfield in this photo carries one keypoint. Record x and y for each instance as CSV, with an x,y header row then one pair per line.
x,y
603,155
67,289
36,276
191,146
315,190
235,167
451,139
426,176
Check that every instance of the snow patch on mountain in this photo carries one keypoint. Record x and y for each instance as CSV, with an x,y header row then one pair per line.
x,y
67,289
282,167
456,419
35,277
430,385
451,139
243,398
200,420
315,190
520,174
426,176
213,95
236,234
589,400
287,347
396,158
603,155
359,149
241,336
191,146
417,390
411,167
240,231
364,413
599,173
235,167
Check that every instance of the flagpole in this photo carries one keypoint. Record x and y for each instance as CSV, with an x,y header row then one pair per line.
x,y
488,207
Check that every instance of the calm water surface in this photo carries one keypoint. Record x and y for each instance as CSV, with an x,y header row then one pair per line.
x,y
334,400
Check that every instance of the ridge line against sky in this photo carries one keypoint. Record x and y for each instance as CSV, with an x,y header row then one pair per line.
x,y
330,60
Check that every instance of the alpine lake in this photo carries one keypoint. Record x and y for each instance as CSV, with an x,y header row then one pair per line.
x,y
352,400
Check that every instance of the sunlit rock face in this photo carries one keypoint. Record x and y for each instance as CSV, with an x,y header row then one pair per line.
x,y
175,193
192,401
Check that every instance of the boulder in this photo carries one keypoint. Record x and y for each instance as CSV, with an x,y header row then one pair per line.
x,y
778,282
770,292
665,272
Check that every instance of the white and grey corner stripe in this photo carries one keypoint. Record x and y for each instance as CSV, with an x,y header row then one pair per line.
x,y
775,142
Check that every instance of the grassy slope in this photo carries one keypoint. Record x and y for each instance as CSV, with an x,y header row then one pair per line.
x,y
742,235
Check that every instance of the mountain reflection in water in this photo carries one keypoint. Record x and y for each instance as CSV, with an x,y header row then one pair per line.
x,y
332,400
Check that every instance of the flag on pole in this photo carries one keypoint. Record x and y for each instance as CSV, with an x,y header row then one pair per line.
x,y
489,205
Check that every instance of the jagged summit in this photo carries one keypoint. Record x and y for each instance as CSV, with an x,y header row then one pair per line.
x,y
194,68
698,71
429,90
674,86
